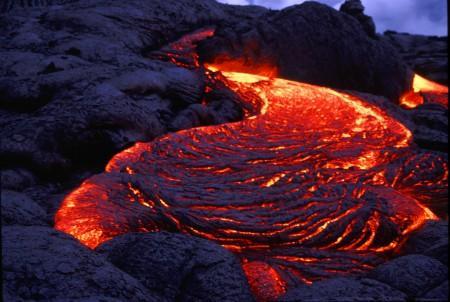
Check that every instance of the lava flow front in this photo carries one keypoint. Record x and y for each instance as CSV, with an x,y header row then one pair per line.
x,y
319,184
424,89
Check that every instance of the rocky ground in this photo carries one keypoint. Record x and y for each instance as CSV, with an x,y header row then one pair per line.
x,y
426,55
78,83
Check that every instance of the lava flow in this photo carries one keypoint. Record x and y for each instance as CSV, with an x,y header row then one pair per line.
x,y
424,89
318,184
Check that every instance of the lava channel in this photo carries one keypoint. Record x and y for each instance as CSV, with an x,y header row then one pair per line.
x,y
318,184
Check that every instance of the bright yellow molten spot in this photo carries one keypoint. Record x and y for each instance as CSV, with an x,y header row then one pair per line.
x,y
420,85
424,85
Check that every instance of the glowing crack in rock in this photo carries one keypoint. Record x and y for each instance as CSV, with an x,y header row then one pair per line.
x,y
318,184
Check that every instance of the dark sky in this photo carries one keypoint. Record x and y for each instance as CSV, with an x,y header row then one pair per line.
x,y
428,17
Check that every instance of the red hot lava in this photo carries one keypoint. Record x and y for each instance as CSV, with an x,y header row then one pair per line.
x,y
318,184
423,88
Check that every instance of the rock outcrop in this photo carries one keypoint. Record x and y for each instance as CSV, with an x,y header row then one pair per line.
x,y
426,55
355,9
179,267
302,46
414,275
431,240
345,289
76,85
19,209
41,264
439,293
9,5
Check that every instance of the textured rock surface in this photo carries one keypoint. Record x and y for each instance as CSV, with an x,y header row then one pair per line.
x,y
355,9
322,53
19,209
9,5
431,122
75,86
439,293
412,274
431,240
426,55
16,179
344,289
41,264
179,267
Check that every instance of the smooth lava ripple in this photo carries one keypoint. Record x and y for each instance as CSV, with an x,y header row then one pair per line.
x,y
319,184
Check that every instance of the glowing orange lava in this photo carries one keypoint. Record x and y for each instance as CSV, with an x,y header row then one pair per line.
x,y
415,97
226,64
317,184
306,182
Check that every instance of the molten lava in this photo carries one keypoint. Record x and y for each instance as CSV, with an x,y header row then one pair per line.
x,y
318,184
423,88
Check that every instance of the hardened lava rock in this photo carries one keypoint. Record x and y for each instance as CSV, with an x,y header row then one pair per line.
x,y
19,209
311,43
414,275
431,240
77,77
9,5
355,9
41,264
179,267
426,55
345,289
439,293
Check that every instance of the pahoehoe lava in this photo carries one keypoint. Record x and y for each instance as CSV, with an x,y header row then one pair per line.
x,y
319,183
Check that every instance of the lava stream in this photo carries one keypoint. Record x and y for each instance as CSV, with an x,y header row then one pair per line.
x,y
423,89
318,184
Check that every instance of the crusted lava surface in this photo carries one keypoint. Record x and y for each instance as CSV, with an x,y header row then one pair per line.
x,y
317,183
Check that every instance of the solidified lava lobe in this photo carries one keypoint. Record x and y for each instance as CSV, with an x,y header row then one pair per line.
x,y
312,187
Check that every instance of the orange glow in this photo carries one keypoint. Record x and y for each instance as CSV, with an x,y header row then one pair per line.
x,y
264,280
424,85
264,68
317,184
414,98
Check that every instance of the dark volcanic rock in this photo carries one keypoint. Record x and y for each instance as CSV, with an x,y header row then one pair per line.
x,y
424,54
225,105
18,208
355,9
313,43
16,179
193,116
344,289
439,293
179,267
76,87
431,122
430,240
41,264
412,274
8,5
